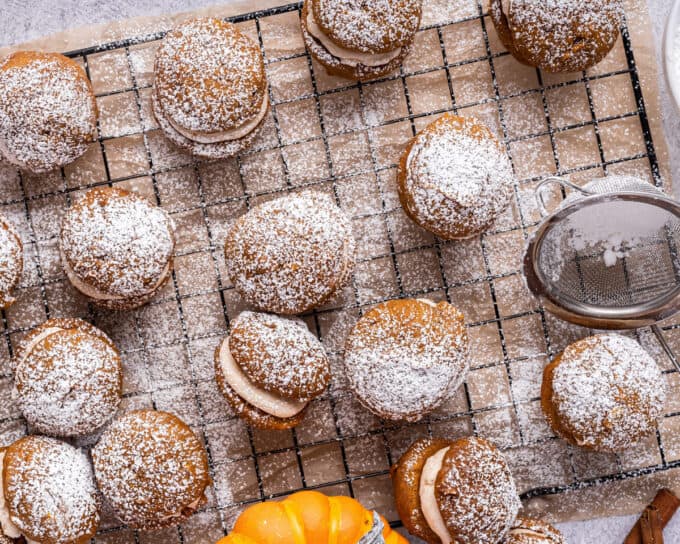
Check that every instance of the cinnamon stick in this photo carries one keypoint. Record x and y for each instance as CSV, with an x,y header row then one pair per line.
x,y
664,506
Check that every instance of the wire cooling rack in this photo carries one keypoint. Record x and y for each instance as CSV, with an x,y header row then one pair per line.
x,y
344,137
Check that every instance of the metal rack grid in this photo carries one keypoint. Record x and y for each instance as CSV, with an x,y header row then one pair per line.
x,y
143,335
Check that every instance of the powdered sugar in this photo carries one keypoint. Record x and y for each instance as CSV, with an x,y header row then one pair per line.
x,y
151,468
476,492
291,254
11,261
370,27
607,392
47,111
69,382
209,77
44,475
117,243
404,357
280,355
562,35
457,178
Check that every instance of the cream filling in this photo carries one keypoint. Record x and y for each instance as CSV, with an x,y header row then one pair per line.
x,y
96,294
526,532
225,135
351,58
271,403
428,501
427,301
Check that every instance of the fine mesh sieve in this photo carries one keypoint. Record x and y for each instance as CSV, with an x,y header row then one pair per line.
x,y
607,258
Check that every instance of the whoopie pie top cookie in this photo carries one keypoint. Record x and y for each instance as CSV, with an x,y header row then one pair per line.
x,y
210,88
48,492
455,491
454,178
269,368
558,36
116,247
48,113
404,357
533,531
358,39
291,254
67,377
11,262
152,469
603,392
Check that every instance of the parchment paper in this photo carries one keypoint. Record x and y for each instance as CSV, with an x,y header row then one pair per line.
x,y
337,136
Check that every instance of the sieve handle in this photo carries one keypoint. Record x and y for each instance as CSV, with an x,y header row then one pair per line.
x,y
667,349
540,193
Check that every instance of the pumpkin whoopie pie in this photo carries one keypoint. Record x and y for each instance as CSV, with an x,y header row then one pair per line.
x,y
562,36
269,368
67,377
454,178
11,262
358,39
405,357
152,469
48,113
291,254
117,248
455,491
210,88
603,392
47,492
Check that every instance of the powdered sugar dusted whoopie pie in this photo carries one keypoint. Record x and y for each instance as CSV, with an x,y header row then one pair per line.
x,y
454,178
48,494
291,254
269,368
116,247
358,39
404,357
603,392
558,36
48,113
11,262
152,469
455,491
210,88
67,377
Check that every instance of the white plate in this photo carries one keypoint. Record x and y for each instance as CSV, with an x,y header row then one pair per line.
x,y
671,49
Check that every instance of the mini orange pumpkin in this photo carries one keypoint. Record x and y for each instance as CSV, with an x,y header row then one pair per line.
x,y
308,517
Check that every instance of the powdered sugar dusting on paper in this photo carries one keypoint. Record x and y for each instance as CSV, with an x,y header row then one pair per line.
x,y
11,258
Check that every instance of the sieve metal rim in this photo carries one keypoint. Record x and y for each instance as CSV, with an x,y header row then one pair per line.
x,y
589,315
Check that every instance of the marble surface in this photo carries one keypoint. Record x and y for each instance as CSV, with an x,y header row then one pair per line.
x,y
21,20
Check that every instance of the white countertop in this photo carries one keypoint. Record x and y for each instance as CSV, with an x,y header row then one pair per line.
x,y
21,20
